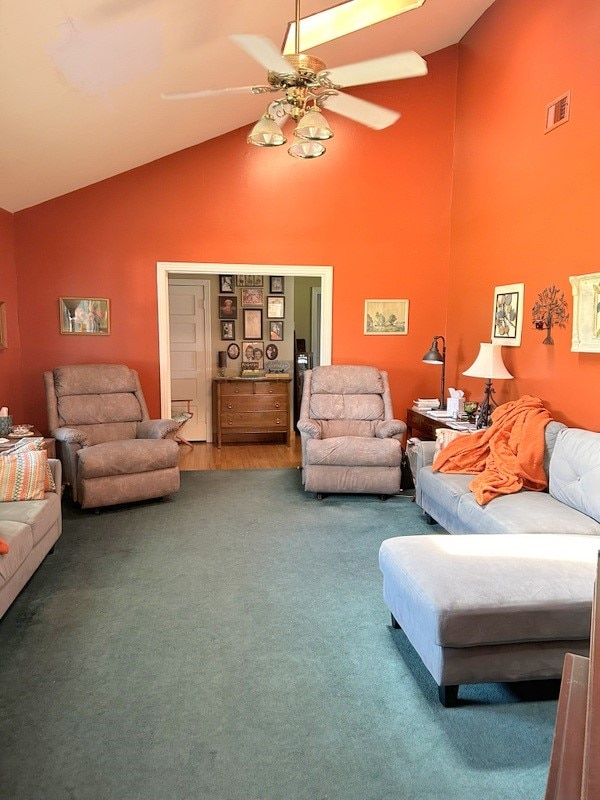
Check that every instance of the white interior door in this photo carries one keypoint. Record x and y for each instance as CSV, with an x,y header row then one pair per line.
x,y
315,324
187,326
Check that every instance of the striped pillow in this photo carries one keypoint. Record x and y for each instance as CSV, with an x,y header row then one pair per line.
x,y
22,476
30,445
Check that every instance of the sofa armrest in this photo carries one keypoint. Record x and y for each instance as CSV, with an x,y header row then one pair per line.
x,y
425,454
157,429
56,468
390,429
310,428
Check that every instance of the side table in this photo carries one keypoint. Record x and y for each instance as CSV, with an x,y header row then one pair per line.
x,y
426,425
49,443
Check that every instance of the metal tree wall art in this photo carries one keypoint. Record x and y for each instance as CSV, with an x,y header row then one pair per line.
x,y
550,309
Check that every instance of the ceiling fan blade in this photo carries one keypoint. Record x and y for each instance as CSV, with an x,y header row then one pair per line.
x,y
376,117
386,68
264,51
206,93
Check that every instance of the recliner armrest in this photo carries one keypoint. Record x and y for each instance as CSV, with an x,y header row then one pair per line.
x,y
310,427
71,436
156,429
390,429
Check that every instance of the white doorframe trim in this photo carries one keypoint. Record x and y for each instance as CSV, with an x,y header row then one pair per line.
x,y
166,268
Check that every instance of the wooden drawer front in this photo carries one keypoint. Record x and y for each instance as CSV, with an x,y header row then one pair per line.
x,y
250,421
271,387
235,388
246,403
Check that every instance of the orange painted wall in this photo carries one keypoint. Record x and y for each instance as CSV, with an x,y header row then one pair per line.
x,y
526,205
376,208
10,357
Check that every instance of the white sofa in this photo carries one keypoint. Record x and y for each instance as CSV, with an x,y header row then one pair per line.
x,y
30,528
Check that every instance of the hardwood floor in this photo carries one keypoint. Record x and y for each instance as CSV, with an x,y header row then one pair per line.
x,y
240,456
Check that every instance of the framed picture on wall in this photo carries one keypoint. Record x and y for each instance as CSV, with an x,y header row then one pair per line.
x,y
276,284
586,313
253,297
276,331
507,320
227,330
84,315
252,323
275,307
253,353
228,308
226,284
233,351
386,317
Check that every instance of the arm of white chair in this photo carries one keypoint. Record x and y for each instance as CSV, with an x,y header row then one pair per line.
x,y
425,454
390,429
310,428
157,429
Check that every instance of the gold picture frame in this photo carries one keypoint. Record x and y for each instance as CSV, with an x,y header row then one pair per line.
x,y
386,318
87,316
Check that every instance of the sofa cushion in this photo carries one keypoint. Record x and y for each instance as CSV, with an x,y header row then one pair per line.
x,y
346,379
23,475
346,406
28,445
330,428
575,470
19,538
127,457
354,451
493,589
446,488
39,515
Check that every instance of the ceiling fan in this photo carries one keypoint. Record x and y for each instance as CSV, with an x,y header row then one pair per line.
x,y
309,86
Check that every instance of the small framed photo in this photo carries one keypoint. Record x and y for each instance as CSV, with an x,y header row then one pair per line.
x,y
228,307
276,331
252,297
271,352
252,323
386,317
227,330
226,284
275,307
233,351
89,315
276,284
507,321
240,280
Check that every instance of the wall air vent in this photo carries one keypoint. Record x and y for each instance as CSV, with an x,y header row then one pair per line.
x,y
557,112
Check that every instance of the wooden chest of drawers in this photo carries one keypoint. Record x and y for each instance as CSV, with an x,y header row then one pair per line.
x,y
251,410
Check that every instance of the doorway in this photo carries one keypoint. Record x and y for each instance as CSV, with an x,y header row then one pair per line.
x,y
167,269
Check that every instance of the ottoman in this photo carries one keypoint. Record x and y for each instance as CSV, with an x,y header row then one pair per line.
x,y
482,608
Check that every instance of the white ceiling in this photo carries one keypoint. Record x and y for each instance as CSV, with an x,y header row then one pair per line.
x,y
81,80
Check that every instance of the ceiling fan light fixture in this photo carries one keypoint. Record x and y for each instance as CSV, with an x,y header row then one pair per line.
x,y
313,126
303,148
266,133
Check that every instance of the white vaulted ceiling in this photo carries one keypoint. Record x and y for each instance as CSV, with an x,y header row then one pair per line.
x,y
81,80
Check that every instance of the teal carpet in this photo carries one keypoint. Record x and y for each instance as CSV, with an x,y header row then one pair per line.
x,y
232,644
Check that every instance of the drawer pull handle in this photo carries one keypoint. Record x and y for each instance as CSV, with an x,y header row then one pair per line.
x,y
229,405
278,421
270,391
277,405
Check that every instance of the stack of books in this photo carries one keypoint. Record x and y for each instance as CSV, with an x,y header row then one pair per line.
x,y
425,404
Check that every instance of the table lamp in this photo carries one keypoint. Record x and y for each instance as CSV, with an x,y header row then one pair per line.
x,y
488,365
433,356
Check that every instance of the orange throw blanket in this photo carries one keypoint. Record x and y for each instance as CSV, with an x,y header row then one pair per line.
x,y
509,455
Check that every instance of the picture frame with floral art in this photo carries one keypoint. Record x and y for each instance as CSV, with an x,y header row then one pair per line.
x,y
386,317
253,297
507,319
89,316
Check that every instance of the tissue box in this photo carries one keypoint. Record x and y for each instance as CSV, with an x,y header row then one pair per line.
x,y
5,425
455,405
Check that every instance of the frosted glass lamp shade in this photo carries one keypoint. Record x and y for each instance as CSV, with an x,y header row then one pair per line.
x,y
313,126
266,133
303,148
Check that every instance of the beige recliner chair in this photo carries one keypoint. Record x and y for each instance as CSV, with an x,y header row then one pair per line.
x,y
111,452
350,439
